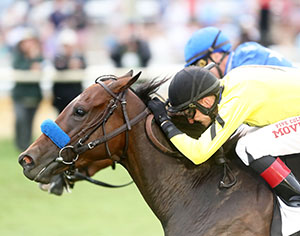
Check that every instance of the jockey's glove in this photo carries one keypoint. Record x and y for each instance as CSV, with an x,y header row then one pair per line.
x,y
159,111
161,117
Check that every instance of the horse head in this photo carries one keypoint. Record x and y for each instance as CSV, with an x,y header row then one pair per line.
x,y
86,122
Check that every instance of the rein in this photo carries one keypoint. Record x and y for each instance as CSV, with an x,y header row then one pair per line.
x,y
70,179
228,178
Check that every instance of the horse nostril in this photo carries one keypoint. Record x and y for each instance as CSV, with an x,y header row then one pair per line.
x,y
26,161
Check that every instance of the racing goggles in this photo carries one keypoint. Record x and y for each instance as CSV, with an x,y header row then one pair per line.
x,y
188,113
201,63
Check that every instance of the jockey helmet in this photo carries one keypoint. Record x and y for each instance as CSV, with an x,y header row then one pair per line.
x,y
191,84
203,42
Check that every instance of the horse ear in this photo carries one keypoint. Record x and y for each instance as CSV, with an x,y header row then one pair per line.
x,y
133,79
125,82
128,74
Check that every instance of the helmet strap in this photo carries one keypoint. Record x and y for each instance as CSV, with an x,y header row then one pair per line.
x,y
208,111
217,64
211,49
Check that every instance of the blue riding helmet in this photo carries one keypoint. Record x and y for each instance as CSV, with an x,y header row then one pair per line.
x,y
204,42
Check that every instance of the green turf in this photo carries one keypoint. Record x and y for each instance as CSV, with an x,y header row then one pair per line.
x,y
89,210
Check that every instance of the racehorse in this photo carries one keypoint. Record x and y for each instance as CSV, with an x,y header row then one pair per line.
x,y
107,121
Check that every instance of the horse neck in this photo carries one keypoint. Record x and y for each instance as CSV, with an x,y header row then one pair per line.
x,y
186,198
165,182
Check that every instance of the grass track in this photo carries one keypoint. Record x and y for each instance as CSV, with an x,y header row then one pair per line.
x,y
89,210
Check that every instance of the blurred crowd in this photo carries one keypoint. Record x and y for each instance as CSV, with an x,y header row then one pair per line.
x,y
70,35
146,32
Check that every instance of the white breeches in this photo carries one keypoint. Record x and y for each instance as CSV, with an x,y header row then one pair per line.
x,y
278,139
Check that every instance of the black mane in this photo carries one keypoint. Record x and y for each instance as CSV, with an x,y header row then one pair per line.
x,y
146,89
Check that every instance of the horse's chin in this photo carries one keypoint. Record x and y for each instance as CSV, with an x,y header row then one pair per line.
x,y
44,174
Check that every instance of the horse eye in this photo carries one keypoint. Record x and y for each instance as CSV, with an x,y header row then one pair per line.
x,y
79,112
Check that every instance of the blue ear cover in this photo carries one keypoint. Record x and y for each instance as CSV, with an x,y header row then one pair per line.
x,y
55,133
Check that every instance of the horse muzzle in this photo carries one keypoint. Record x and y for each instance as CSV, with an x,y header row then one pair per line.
x,y
38,173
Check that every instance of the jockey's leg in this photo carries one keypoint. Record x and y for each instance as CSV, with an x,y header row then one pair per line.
x,y
279,177
260,149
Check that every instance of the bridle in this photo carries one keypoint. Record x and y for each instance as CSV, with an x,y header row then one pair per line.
x,y
81,146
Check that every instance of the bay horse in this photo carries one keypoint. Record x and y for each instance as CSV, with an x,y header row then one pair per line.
x,y
107,122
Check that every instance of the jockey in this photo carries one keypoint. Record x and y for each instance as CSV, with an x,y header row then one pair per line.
x,y
264,97
209,44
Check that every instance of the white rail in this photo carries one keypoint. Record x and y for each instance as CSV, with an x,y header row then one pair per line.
x,y
87,77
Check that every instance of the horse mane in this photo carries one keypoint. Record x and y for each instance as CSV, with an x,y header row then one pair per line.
x,y
145,89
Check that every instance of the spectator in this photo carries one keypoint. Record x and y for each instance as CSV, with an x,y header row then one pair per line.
x,y
60,14
131,50
26,94
78,20
67,59
265,22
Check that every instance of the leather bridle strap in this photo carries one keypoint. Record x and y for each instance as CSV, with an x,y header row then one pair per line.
x,y
79,176
120,97
116,132
107,113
